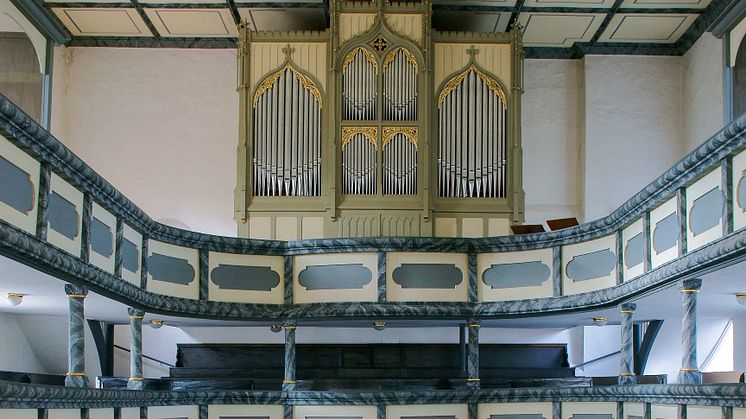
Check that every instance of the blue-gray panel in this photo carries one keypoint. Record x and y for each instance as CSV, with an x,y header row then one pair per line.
x,y
331,277
247,278
244,417
516,275
633,251
706,211
102,240
519,416
16,188
170,269
334,417
634,417
741,192
130,256
591,265
428,275
174,417
63,216
591,416
430,417
666,233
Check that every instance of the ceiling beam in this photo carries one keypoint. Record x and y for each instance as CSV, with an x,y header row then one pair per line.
x,y
607,20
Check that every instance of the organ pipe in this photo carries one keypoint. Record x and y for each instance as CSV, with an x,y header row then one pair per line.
x,y
359,91
359,161
399,161
400,86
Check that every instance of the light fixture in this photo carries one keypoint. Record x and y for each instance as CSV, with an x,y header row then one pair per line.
x,y
276,328
155,324
741,298
379,325
14,298
600,321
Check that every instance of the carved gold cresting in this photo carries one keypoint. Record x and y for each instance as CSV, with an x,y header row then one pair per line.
x,y
348,133
453,84
304,80
410,133
392,55
368,56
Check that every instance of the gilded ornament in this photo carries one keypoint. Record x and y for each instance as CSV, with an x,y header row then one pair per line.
x,y
270,81
368,56
392,55
453,84
410,133
348,133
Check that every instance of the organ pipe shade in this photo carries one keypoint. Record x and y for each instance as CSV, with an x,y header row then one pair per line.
x,y
400,86
359,161
287,136
472,132
359,90
399,162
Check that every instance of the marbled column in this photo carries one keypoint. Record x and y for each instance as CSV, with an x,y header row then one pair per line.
x,y
288,280
75,376
288,384
381,277
626,364
135,381
472,359
689,372
473,292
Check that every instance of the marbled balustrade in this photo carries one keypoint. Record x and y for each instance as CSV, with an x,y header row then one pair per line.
x,y
75,376
135,381
689,372
288,384
626,372
472,357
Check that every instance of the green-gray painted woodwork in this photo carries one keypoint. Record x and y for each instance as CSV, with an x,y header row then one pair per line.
x,y
16,188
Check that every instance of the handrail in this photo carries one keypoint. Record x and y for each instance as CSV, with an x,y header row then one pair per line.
x,y
600,358
17,395
122,348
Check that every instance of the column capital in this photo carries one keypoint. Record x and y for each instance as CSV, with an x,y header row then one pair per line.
x,y
627,308
135,313
74,291
473,323
691,285
289,325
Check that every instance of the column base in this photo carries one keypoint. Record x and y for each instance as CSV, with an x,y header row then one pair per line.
x,y
135,384
627,380
76,381
690,377
473,383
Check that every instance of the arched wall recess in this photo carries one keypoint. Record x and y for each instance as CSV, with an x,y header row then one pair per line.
x,y
37,39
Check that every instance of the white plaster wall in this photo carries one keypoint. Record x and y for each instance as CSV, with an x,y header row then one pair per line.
x,y
16,353
598,342
161,125
633,127
702,90
551,122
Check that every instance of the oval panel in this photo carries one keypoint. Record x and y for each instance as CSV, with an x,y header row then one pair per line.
x,y
516,275
246,278
666,233
170,269
592,265
706,211
329,277
633,251
428,275
16,187
741,192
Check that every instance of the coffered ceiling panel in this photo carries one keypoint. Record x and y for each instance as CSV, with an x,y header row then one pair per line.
x,y
193,22
559,29
487,3
284,19
469,21
102,21
650,28
665,4
601,4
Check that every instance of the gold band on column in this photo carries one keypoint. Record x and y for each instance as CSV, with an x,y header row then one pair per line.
x,y
689,290
135,379
473,379
627,374
76,295
689,369
136,317
288,381
75,374
473,324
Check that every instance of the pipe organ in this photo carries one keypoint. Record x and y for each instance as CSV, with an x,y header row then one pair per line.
x,y
376,123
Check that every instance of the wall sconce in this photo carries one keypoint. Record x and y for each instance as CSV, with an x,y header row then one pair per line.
x,y
379,325
600,321
156,324
276,328
741,298
14,298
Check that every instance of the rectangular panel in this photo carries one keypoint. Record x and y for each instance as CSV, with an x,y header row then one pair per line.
x,y
245,412
63,414
633,253
515,275
738,185
131,255
173,412
446,227
652,28
19,187
704,210
130,413
65,216
193,22
312,227
335,277
103,232
260,228
246,278
173,270
634,410
472,227
102,22
100,413
286,228
19,413
537,410
664,411
704,412
739,413
583,410
420,276
338,412
558,29
589,266
665,4
441,411
664,233
570,3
